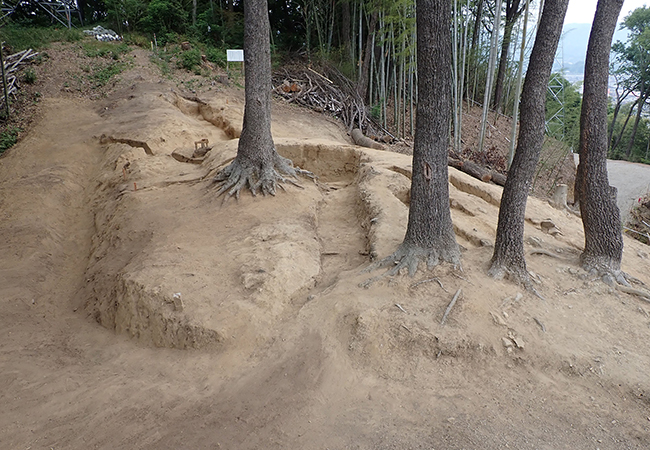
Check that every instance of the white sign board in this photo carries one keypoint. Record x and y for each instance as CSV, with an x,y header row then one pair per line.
x,y
235,55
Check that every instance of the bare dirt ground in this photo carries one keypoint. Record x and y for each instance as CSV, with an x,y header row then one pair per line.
x,y
275,341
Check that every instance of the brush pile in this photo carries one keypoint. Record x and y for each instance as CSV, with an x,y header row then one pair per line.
x,y
329,92
12,65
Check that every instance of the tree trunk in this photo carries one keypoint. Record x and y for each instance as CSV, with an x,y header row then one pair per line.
x,y
515,109
642,99
512,15
508,258
489,79
430,236
362,84
620,97
600,215
257,165
627,119
346,39
477,25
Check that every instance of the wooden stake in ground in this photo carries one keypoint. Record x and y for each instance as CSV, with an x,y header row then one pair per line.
x,y
4,80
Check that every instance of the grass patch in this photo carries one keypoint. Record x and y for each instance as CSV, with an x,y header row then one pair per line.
x,y
21,38
29,76
8,138
98,49
190,59
136,39
162,60
101,76
216,56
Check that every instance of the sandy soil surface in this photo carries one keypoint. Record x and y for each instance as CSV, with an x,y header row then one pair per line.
x,y
140,312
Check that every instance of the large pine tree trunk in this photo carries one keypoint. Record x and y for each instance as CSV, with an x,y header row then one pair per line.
x,y
257,166
430,236
508,258
256,143
600,215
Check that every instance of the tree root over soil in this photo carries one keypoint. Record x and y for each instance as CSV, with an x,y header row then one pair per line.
x,y
409,256
265,178
615,278
500,271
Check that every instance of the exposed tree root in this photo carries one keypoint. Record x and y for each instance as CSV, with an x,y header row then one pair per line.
x,y
643,295
500,271
265,179
619,280
605,267
409,257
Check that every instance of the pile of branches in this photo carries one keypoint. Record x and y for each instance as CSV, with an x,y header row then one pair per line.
x,y
12,65
329,91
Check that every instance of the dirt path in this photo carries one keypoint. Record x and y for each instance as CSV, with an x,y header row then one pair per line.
x,y
279,343
632,181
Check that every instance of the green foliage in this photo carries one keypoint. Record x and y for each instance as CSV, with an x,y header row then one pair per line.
x,y
100,76
190,59
162,59
21,38
375,111
216,55
136,39
29,76
566,107
8,138
639,151
123,12
631,67
164,16
97,49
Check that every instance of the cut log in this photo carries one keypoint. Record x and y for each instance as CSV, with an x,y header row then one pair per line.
x,y
363,141
471,168
498,178
477,171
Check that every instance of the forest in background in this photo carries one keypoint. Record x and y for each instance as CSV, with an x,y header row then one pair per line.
x,y
372,45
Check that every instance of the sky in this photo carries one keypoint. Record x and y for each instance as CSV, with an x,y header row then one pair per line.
x,y
582,11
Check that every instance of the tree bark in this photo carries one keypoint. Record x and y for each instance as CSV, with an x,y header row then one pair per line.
x,y
508,258
430,236
257,165
600,215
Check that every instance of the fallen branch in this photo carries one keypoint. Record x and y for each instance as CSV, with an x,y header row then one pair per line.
x,y
451,305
